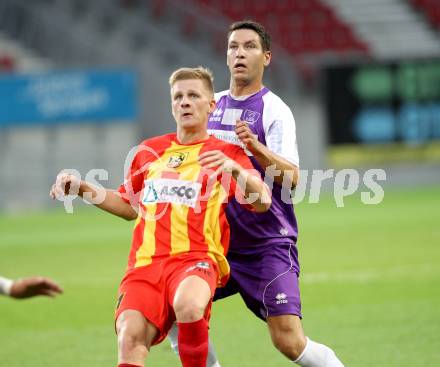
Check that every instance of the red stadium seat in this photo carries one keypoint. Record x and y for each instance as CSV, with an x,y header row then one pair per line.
x,y
158,8
431,9
7,63
299,26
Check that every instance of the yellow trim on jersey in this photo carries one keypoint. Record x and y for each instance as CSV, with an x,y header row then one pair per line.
x,y
182,160
148,247
213,238
189,170
179,229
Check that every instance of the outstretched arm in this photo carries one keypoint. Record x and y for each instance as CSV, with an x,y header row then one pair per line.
x,y
29,287
107,200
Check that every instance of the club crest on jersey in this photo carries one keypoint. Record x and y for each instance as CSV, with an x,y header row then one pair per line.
x,y
281,298
176,159
251,116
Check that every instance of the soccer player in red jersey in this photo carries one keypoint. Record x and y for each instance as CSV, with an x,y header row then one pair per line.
x,y
177,189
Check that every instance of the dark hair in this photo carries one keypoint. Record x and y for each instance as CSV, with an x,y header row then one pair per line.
x,y
256,27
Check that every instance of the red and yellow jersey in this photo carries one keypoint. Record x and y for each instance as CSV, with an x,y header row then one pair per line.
x,y
181,210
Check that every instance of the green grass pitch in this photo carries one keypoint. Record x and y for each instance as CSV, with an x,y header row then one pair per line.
x,y
370,287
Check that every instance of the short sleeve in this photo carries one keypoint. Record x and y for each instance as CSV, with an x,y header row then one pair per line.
x,y
5,286
280,131
134,178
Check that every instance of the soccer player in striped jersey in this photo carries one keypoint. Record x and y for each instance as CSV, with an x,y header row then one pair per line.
x,y
263,255
177,189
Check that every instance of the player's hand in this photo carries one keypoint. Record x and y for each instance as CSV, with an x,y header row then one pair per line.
x,y
217,160
245,134
34,286
65,184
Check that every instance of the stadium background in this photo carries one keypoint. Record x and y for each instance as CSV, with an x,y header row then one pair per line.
x,y
82,82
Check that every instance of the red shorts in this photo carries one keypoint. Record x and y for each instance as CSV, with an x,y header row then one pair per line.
x,y
150,289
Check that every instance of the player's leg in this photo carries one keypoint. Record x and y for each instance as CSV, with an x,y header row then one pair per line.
x,y
211,361
220,293
142,314
135,336
282,304
268,284
192,296
288,337
192,284
172,337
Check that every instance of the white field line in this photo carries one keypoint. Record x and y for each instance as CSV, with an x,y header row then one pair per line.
x,y
414,271
368,275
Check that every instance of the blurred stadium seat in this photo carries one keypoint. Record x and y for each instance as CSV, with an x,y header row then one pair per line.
x,y
391,28
302,26
154,37
431,9
14,57
7,63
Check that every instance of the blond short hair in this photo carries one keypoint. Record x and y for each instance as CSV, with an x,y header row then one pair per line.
x,y
201,73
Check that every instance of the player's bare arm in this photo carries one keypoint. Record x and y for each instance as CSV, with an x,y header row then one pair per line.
x,y
67,184
34,286
255,191
265,157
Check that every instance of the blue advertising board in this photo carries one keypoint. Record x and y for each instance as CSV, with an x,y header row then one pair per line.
x,y
68,96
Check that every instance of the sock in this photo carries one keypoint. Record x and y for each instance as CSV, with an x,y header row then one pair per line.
x,y
317,355
172,337
212,360
193,343
127,365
